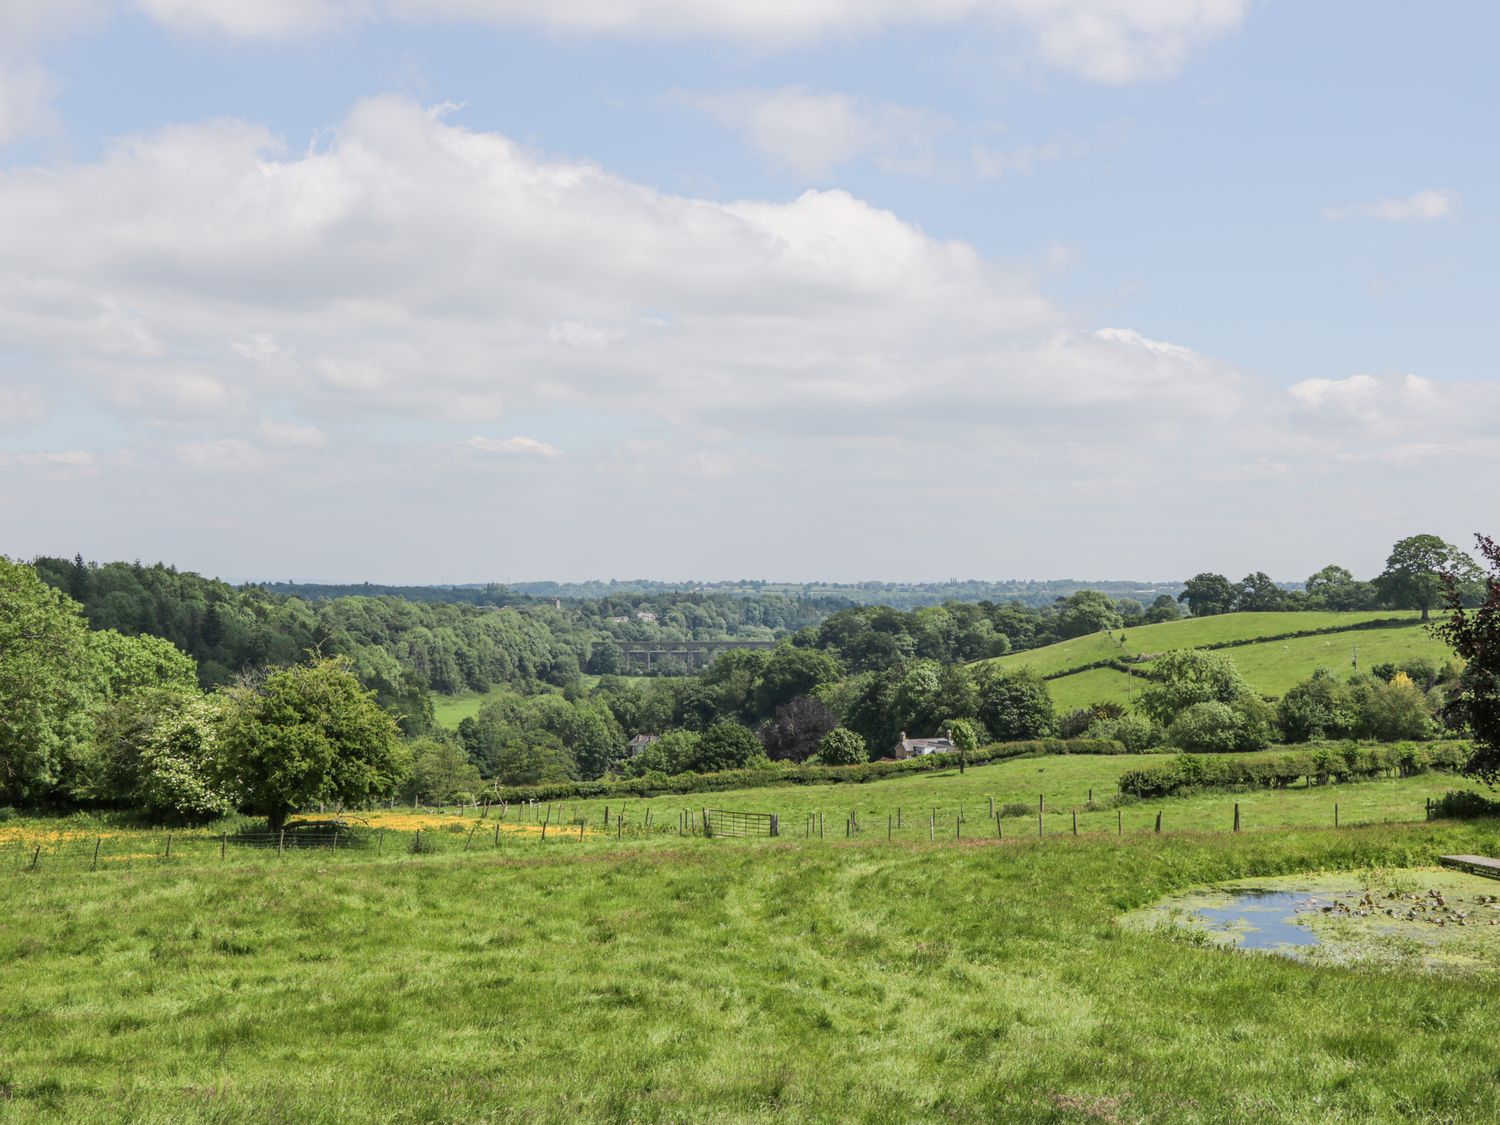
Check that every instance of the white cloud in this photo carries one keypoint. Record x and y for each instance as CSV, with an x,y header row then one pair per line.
x,y
1423,207
812,133
26,93
257,19
1105,40
775,361
511,447
291,435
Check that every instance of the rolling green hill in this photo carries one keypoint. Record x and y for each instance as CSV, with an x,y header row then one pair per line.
x,y
1271,665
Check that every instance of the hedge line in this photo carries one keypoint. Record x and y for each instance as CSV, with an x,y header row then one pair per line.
x,y
655,785
1193,773
1132,666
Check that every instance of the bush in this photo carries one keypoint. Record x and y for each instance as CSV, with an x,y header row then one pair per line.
x,y
1073,723
1136,733
1462,805
1219,728
842,747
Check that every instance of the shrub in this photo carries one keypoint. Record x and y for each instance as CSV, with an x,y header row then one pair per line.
x,y
1136,733
842,747
1217,728
1318,707
1075,722
1017,808
1191,773
177,759
1463,805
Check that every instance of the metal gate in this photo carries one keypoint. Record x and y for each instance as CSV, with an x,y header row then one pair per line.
x,y
719,822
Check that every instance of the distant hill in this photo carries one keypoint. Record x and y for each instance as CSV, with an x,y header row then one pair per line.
x,y
897,595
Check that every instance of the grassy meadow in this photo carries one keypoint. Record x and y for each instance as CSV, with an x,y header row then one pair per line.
x,y
1271,667
1188,632
719,980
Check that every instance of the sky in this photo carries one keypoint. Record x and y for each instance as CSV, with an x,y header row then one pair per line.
x,y
467,290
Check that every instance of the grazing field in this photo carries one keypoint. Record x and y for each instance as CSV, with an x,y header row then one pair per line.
x,y
720,980
1271,667
1189,632
941,806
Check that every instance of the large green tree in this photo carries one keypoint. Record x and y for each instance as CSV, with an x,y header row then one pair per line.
x,y
1413,575
1186,677
1475,636
306,734
1207,594
47,681
1087,611
1014,706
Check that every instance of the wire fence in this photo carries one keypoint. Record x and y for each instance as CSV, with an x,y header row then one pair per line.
x,y
533,828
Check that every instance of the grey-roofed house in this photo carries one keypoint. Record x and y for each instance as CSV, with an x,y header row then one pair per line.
x,y
917,747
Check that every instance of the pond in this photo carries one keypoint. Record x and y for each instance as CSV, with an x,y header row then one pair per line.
x,y
1416,918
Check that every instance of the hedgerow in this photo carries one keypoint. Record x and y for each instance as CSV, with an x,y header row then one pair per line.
x,y
1193,773
658,784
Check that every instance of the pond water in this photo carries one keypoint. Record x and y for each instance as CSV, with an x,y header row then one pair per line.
x,y
1262,919
1415,918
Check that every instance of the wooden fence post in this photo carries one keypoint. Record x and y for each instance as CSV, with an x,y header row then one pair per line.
x,y
497,835
223,847
36,857
97,842
1040,832
1335,814
281,841
469,839
1075,822
580,829
999,828
1119,823
1236,816
169,836
1158,822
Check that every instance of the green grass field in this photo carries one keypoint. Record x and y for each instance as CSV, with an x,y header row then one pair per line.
x,y
720,980
1271,667
1189,632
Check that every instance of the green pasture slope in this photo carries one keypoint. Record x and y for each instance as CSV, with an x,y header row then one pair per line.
x,y
671,979
1271,666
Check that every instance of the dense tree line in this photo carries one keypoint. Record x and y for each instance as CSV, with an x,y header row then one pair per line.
x,y
1412,579
97,716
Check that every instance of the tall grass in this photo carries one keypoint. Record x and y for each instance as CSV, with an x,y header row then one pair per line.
x,y
716,980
